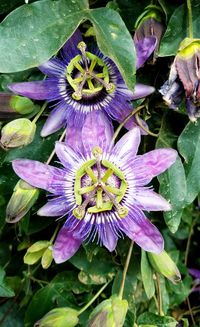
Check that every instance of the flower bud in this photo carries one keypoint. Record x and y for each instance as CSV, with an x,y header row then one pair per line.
x,y
109,313
35,252
60,317
164,265
21,105
21,201
47,258
18,132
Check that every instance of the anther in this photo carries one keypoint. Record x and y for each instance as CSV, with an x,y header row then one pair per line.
x,y
97,152
79,212
122,211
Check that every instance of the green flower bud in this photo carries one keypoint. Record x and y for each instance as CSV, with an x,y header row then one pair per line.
x,y
21,105
18,132
60,317
164,265
109,313
21,201
47,258
35,252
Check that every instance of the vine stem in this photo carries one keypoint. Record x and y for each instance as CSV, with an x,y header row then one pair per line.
x,y
160,310
144,128
54,151
186,261
124,122
40,113
94,298
190,26
128,258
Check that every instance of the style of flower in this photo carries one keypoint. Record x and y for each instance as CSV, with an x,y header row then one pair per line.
x,y
184,78
80,82
100,189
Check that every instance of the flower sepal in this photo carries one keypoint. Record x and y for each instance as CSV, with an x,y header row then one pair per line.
x,y
17,133
109,313
59,317
21,201
39,250
164,265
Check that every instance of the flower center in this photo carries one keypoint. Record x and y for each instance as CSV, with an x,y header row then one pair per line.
x,y
99,186
88,74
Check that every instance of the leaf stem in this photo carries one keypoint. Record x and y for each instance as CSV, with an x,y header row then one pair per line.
x,y
40,112
190,26
94,298
54,151
128,258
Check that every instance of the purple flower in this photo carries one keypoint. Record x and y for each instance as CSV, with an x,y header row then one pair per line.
x,y
101,189
80,82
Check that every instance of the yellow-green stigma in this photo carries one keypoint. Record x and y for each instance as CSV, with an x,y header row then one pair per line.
x,y
99,186
88,74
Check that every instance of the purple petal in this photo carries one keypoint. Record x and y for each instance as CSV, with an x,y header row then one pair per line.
x,y
39,90
151,164
65,245
70,49
38,174
144,48
54,122
138,228
151,201
73,137
54,208
97,131
194,273
142,91
67,155
108,238
127,147
53,67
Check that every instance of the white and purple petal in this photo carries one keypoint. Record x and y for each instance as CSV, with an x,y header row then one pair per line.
x,y
139,229
40,175
148,200
144,48
38,90
151,164
66,245
55,121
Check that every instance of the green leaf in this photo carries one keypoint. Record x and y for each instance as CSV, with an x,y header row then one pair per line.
x,y
147,276
115,41
98,271
173,181
189,148
159,321
30,41
11,315
177,29
5,291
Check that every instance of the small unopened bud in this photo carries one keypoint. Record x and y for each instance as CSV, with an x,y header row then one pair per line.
x,y
21,201
60,317
21,105
109,313
18,132
47,258
163,264
35,252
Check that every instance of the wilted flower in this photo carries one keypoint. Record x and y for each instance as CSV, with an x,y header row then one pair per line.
x,y
18,132
148,33
164,265
101,189
78,83
184,78
109,313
